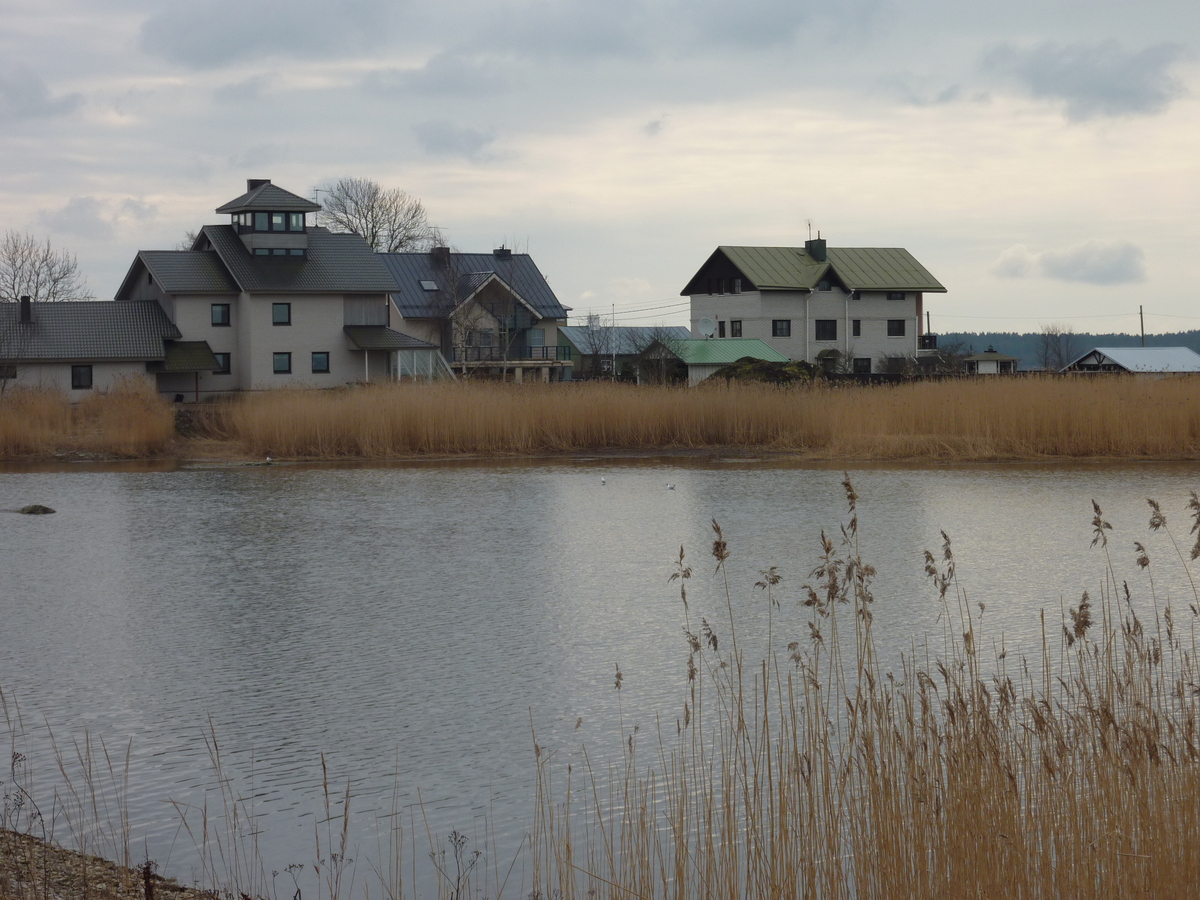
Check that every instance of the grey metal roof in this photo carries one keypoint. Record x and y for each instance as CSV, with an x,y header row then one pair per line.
x,y
1143,359
380,337
859,268
630,340
189,356
187,271
268,197
518,272
86,330
336,264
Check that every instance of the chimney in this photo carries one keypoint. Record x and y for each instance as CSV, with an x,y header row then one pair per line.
x,y
815,247
255,183
440,257
26,309
502,253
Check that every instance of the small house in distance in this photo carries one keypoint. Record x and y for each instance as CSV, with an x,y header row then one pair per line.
x,y
990,362
600,351
1138,361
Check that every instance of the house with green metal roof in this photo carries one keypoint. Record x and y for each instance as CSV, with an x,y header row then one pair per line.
x,y
704,356
851,309
277,301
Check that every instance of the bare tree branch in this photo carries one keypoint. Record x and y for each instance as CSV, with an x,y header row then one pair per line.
x,y
390,220
29,268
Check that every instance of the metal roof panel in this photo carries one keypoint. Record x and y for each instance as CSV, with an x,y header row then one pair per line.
x,y
86,330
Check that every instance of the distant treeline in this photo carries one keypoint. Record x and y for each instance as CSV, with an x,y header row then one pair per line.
x,y
1025,346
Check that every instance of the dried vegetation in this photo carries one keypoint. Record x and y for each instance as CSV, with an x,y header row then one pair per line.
x,y
128,421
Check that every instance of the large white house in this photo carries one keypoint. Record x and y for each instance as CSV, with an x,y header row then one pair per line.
x,y
852,309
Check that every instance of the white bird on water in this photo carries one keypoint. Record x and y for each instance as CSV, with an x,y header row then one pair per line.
x,y
670,487
603,480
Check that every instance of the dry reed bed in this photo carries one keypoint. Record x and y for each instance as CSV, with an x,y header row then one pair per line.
x,y
129,421
966,419
815,773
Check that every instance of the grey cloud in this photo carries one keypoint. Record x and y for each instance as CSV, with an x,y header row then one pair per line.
x,y
246,91
655,127
1092,262
256,155
444,74
132,208
223,31
1094,80
24,95
441,138
82,216
544,28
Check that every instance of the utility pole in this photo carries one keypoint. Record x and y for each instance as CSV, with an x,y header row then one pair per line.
x,y
1142,318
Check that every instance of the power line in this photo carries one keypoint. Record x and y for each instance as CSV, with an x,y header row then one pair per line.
x,y
675,305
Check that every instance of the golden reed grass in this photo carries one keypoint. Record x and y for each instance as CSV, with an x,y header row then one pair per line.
x,y
130,420
973,419
817,773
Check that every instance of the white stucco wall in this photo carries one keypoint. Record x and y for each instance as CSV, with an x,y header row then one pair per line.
x,y
57,376
757,311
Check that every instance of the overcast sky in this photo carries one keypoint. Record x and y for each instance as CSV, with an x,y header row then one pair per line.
x,y
1040,158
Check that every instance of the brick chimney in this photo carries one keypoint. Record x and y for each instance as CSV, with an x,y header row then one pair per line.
x,y
26,309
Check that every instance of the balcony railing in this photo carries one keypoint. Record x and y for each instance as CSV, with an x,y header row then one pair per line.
x,y
497,354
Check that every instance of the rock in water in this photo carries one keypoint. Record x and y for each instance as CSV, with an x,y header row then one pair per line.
x,y
35,509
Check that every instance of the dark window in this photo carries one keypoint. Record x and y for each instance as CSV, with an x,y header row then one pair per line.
x,y
896,295
260,221
295,251
262,251
278,222
735,327
720,285
282,363
823,286
81,378
720,329
856,327
149,278
826,329
320,363
895,328
295,221
781,328
737,286
220,314
279,251
222,364
862,365
281,314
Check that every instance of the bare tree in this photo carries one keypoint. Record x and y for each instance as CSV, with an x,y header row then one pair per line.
x,y
1058,346
388,219
598,342
188,240
32,269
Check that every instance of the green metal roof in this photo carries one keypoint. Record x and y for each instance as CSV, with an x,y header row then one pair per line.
x,y
189,356
722,351
859,268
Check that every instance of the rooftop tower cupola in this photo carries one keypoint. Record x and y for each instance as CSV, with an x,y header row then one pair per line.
x,y
271,221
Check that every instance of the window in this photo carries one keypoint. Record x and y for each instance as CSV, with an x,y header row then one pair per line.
x,y
297,251
260,221
737,286
295,221
220,314
720,329
262,251
222,364
823,286
895,328
278,222
856,327
735,327
826,329
862,365
149,278
429,285
320,363
282,363
781,328
536,337
281,314
81,378
895,295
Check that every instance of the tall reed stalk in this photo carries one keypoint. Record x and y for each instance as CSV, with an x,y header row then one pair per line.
x,y
130,420
965,419
814,772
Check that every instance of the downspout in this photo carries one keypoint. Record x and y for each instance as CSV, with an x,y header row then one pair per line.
x,y
366,366
807,301
847,332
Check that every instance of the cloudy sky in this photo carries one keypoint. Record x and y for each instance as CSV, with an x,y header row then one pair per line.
x,y
1040,158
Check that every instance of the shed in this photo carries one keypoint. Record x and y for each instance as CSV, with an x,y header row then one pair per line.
x,y
704,357
991,362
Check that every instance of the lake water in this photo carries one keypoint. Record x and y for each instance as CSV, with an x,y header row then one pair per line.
x,y
410,622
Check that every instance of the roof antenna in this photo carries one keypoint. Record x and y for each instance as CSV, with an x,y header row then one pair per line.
x,y
808,222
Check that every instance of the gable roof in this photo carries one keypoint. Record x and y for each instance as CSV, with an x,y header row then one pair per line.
x,y
468,271
184,272
86,330
859,268
629,339
722,351
335,264
268,197
1142,359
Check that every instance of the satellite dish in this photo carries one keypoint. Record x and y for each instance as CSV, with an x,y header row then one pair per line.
x,y
707,327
